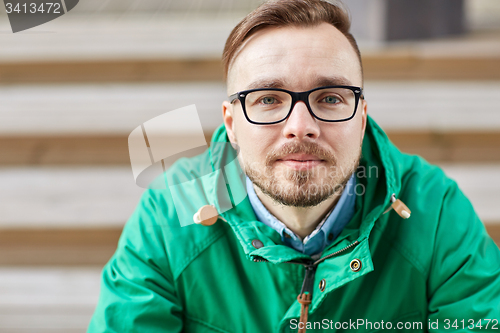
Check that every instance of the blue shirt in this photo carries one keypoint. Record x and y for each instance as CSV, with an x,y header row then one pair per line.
x,y
326,231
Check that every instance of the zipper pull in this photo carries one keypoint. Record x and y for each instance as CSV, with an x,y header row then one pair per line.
x,y
304,300
399,207
305,296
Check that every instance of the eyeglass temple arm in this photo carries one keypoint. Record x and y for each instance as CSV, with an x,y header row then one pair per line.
x,y
233,97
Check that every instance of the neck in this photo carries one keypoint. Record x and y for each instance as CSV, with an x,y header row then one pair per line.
x,y
302,221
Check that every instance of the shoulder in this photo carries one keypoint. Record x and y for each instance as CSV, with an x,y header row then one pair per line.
x,y
442,220
163,219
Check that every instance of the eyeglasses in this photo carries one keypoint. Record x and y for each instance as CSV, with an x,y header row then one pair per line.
x,y
266,106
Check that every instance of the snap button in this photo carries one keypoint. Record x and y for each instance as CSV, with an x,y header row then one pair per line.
x,y
206,215
257,244
330,236
322,285
355,265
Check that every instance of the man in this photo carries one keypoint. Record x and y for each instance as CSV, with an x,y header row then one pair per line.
x,y
339,229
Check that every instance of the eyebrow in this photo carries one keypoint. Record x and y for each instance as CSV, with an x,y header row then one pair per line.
x,y
332,81
267,83
320,81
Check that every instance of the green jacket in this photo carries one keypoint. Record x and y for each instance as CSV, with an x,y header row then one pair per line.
x,y
438,268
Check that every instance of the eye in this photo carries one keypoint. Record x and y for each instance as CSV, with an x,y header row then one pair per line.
x,y
331,99
268,100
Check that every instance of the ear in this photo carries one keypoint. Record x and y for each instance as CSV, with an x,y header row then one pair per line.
x,y
364,116
228,119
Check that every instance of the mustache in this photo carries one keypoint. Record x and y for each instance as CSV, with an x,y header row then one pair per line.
x,y
309,148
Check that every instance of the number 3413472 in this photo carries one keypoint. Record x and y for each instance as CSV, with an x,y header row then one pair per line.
x,y
33,8
471,324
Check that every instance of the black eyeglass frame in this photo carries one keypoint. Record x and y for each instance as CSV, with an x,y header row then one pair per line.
x,y
296,97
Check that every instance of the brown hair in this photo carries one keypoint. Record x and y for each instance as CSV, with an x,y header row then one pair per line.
x,y
280,13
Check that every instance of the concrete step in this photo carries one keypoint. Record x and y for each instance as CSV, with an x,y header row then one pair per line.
x,y
103,109
390,66
67,246
480,183
482,14
173,47
92,197
47,300
442,106
117,37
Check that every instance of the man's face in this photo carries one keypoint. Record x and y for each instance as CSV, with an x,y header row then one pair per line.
x,y
301,161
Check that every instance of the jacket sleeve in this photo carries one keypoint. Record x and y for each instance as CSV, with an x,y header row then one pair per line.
x,y
137,287
464,278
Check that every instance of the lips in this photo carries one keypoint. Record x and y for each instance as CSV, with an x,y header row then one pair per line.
x,y
300,161
299,155
300,158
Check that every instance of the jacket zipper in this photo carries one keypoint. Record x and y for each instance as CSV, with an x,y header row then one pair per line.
x,y
306,292
336,253
305,296
260,259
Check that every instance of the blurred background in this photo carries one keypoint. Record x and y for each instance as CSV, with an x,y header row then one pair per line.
x,y
73,89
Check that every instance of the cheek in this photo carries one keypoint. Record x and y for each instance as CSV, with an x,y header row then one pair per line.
x,y
243,136
345,140
240,130
355,130
254,141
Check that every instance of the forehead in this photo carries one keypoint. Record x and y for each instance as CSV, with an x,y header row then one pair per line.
x,y
295,58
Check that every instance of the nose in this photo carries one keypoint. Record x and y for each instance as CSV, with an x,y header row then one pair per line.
x,y
301,123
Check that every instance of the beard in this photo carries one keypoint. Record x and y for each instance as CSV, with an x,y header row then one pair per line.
x,y
303,187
